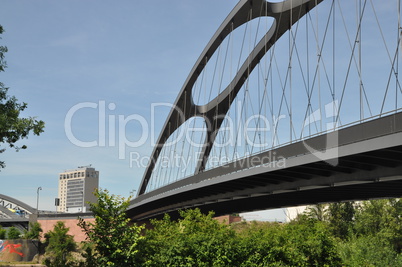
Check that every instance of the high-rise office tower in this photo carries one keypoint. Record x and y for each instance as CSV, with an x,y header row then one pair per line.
x,y
76,189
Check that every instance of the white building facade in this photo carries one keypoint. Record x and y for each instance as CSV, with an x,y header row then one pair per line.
x,y
76,189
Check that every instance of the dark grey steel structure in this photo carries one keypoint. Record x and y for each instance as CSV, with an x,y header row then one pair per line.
x,y
364,162
368,165
20,217
214,111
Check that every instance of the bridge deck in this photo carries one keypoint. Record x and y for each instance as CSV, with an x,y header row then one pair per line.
x,y
367,164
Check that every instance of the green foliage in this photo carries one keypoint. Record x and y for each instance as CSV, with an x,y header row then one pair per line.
x,y
341,218
3,50
264,244
34,232
382,216
315,243
59,246
369,234
317,212
13,233
115,238
376,215
338,234
88,255
194,240
12,126
199,240
297,244
369,251
2,233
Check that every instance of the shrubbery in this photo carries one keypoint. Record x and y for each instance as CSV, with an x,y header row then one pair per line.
x,y
13,233
338,234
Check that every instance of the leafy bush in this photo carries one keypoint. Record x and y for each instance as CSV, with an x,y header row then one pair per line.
x,y
339,234
114,237
194,240
34,232
13,233
2,233
369,251
59,246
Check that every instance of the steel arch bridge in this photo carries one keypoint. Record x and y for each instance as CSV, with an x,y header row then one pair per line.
x,y
290,103
14,212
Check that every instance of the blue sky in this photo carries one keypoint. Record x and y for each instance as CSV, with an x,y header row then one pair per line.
x,y
110,61
129,54
62,53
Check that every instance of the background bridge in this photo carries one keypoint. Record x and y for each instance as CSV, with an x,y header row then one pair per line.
x,y
290,103
14,212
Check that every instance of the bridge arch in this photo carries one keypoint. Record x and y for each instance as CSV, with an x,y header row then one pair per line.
x,y
359,151
289,11
12,208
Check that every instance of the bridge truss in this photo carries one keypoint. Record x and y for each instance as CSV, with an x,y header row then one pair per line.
x,y
14,212
305,84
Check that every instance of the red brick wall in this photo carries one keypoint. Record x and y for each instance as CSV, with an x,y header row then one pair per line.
x,y
228,219
76,231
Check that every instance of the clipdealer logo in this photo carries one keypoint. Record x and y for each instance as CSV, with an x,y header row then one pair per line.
x,y
112,128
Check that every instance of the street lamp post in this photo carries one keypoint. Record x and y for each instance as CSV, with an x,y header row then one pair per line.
x,y
37,200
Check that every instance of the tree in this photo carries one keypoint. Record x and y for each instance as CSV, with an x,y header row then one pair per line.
x,y
369,250
381,217
317,212
34,231
305,242
374,216
59,246
194,240
12,126
115,238
341,218
13,233
2,233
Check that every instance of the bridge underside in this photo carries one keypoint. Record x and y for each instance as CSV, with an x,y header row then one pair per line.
x,y
367,163
304,186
